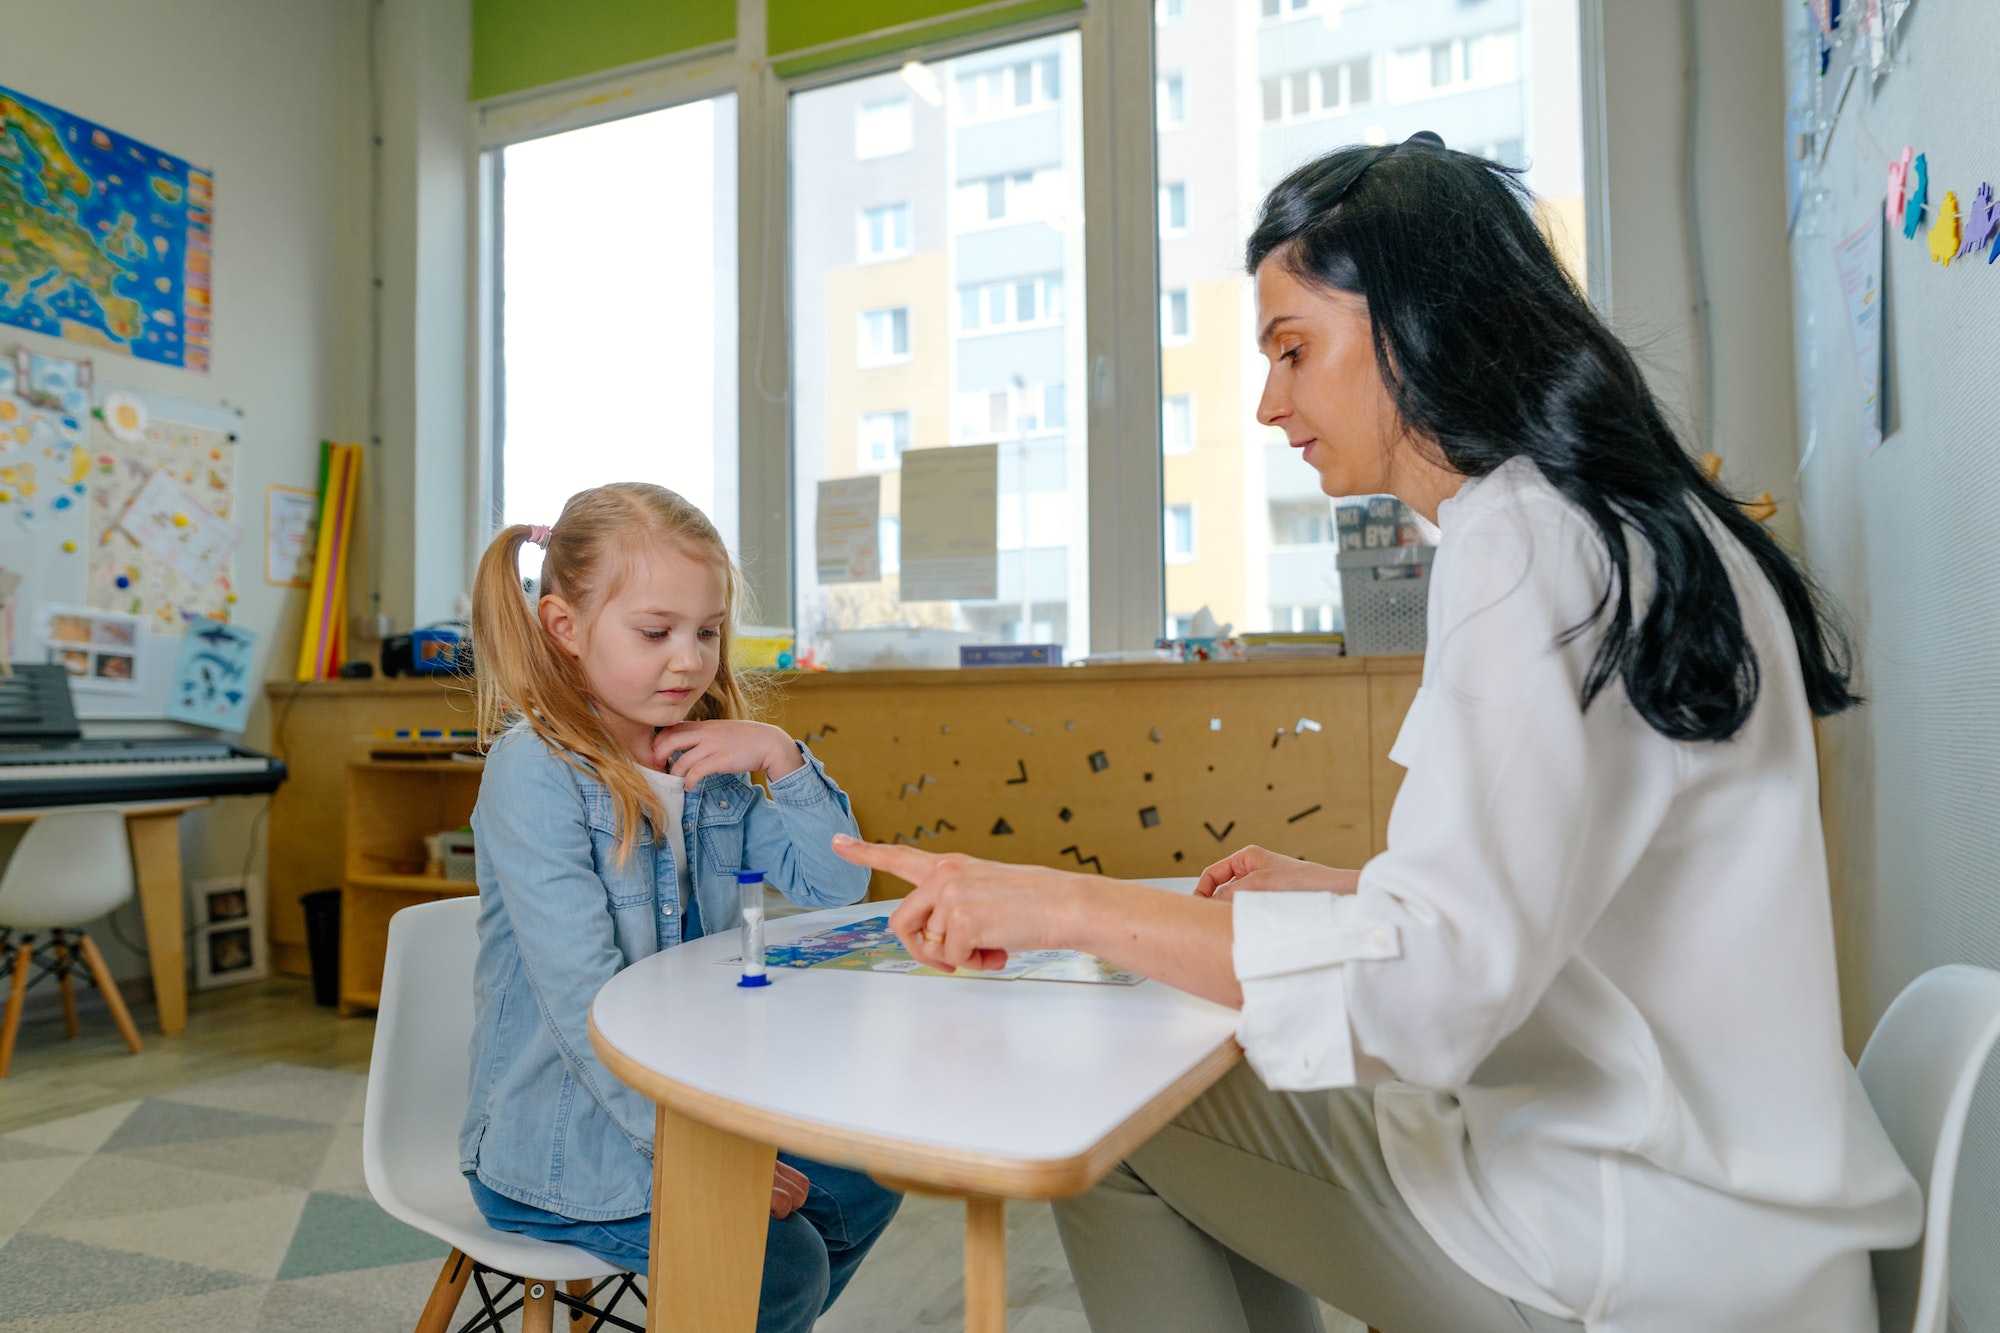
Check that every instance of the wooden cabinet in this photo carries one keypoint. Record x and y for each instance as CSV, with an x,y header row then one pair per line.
x,y
392,806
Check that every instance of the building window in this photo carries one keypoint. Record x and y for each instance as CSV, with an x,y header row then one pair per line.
x,y
1169,11
1174,320
883,440
885,336
885,231
1177,423
1301,522
1180,534
995,200
1344,86
1013,304
1457,63
1274,99
1173,101
1173,209
883,129
1010,89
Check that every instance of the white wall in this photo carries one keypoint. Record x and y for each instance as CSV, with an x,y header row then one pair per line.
x,y
1740,166
271,98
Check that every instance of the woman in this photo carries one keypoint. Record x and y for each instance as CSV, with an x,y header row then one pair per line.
x,y
1567,1052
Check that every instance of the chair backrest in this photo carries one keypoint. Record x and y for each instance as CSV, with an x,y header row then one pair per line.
x,y
1921,1067
418,1076
71,866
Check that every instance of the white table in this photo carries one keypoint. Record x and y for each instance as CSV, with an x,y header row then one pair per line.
x,y
987,1090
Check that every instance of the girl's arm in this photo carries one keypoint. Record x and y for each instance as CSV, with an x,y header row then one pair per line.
x,y
789,833
532,830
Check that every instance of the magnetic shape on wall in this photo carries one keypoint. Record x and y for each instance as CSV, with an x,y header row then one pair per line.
x,y
1215,724
1149,817
1083,860
1945,231
1913,212
924,831
1178,856
1020,726
944,731
1982,224
1098,761
1309,810
917,787
1065,814
825,730
1155,735
1069,726
1305,724
69,548
124,582
1146,777
1001,828
1218,836
1021,764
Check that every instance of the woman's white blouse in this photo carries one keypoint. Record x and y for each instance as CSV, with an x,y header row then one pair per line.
x,y
1592,977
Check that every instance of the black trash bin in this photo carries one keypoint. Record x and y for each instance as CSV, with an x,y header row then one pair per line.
x,y
322,909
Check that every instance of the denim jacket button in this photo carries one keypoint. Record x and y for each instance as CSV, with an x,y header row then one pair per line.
x,y
725,803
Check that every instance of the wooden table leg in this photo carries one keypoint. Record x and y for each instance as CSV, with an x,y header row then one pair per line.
x,y
156,856
711,1209
985,1264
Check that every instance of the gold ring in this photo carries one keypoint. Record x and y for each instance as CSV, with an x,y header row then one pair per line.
x,y
933,937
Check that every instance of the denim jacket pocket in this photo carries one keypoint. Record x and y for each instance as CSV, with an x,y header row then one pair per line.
x,y
629,884
724,807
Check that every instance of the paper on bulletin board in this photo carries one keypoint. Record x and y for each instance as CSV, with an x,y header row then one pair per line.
x,y
950,522
847,530
1859,260
291,535
213,681
159,581
103,651
44,466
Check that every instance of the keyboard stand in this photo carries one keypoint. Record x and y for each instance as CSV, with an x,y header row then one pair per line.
x,y
154,830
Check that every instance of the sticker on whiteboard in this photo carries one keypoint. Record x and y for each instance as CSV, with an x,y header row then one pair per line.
x,y
124,416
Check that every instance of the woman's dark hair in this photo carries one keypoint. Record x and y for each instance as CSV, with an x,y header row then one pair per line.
x,y
1488,348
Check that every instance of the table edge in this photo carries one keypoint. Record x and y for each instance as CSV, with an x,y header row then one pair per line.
x,y
952,1169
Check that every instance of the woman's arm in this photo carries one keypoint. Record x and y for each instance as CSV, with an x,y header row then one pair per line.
x,y
965,912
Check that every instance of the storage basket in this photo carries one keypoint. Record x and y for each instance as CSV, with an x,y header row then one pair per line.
x,y
1384,594
457,858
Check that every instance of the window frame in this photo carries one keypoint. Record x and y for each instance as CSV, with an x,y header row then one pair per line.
x,y
1120,400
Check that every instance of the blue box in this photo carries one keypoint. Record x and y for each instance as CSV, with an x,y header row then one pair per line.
x,y
434,651
1009,654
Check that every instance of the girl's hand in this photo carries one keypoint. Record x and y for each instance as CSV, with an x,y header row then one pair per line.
x,y
965,912
788,1191
698,749
1254,870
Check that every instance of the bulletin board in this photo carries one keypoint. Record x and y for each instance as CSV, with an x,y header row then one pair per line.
x,y
73,491
1905,536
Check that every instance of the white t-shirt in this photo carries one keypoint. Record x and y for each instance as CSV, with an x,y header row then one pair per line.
x,y
673,795
1592,976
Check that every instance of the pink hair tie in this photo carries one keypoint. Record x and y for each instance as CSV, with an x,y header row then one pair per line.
x,y
539,534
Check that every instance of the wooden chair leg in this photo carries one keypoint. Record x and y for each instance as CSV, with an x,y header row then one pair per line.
x,y
24,954
443,1304
579,1289
112,999
538,1315
66,984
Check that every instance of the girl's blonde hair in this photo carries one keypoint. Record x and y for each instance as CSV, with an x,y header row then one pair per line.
x,y
525,675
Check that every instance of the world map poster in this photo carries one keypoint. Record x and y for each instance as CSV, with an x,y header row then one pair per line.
x,y
103,240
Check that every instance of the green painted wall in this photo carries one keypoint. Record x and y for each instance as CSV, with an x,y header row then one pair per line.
x,y
520,44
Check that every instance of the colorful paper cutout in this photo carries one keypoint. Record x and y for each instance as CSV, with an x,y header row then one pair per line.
x,y
1945,231
1913,213
1899,184
1982,224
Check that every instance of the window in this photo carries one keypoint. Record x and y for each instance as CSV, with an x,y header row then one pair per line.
x,y
1180,534
883,129
885,231
559,268
885,336
981,322
1173,101
1305,88
1169,11
882,441
1177,423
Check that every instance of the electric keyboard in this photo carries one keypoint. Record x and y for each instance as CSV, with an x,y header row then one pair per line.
x,y
43,762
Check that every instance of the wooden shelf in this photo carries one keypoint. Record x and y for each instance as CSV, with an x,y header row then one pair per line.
x,y
429,767
437,884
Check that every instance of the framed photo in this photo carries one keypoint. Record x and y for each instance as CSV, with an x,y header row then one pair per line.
x,y
230,945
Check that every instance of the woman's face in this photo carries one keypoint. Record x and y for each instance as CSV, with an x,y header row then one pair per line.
x,y
1324,389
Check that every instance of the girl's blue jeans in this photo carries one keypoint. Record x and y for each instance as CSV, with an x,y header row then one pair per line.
x,y
808,1257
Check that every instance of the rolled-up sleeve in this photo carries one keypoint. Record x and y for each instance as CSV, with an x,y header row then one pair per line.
x,y
1519,818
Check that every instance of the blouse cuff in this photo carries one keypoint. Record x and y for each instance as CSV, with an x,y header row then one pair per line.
x,y
1290,954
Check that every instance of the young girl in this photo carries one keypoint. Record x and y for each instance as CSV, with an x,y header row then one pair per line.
x,y
615,811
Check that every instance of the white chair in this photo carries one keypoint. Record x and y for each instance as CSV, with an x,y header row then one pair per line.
x,y
417,1088
70,866
1921,1067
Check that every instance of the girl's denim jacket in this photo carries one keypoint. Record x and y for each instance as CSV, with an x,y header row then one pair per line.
x,y
547,1123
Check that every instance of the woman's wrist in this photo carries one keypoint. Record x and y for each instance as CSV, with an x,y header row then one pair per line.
x,y
1086,912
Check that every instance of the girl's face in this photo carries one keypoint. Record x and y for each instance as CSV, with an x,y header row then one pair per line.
x,y
1325,391
652,649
